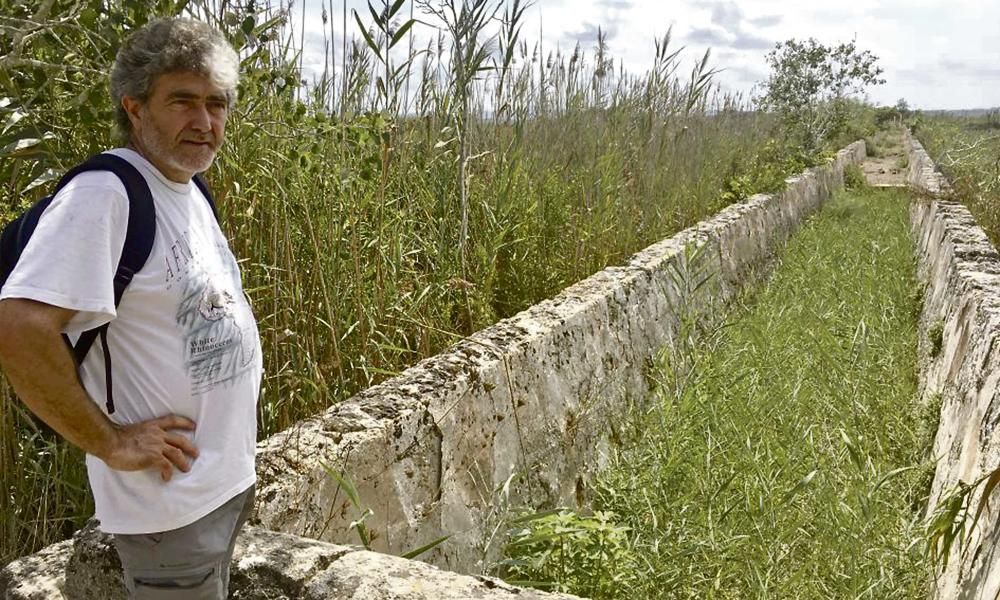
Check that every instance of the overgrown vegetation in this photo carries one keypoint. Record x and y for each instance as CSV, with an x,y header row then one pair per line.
x,y
380,216
854,178
563,551
967,150
783,457
810,86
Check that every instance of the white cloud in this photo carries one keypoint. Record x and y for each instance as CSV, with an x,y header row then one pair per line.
x,y
936,54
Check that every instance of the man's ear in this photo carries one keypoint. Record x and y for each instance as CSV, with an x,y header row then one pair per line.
x,y
132,107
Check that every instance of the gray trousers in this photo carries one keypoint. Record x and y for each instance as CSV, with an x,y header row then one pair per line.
x,y
189,563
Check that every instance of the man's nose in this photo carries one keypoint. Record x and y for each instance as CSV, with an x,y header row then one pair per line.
x,y
201,120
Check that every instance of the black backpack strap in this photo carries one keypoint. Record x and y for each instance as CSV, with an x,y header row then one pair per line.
x,y
141,229
139,237
109,397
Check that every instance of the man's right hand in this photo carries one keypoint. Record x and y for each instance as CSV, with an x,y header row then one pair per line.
x,y
153,444
42,372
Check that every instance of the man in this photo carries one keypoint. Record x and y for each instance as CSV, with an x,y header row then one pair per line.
x,y
172,467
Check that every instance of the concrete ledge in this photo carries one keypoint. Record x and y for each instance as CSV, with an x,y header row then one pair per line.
x,y
533,398
265,565
960,367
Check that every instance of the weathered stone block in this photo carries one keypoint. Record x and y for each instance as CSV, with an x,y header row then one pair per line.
x,y
959,367
529,400
266,564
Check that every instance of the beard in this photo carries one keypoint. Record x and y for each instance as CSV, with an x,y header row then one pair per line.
x,y
180,155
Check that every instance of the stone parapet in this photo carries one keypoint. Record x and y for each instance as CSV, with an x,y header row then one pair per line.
x,y
959,364
266,564
519,414
532,400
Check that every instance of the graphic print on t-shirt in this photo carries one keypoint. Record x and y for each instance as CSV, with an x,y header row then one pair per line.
x,y
217,325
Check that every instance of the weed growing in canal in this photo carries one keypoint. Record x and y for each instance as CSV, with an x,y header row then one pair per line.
x,y
935,335
563,551
952,524
854,178
785,468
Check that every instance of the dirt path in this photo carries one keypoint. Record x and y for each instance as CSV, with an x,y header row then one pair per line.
x,y
886,162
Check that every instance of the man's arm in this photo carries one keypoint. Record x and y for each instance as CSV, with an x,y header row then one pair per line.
x,y
41,369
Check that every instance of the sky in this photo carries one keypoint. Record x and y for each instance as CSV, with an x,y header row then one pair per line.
x,y
935,54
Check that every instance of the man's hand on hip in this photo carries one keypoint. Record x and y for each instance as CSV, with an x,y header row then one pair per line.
x,y
153,444
41,369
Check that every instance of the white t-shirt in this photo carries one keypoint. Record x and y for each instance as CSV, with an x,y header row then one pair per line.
x,y
183,340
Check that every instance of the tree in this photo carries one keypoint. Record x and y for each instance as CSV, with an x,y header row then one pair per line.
x,y
810,84
892,116
903,107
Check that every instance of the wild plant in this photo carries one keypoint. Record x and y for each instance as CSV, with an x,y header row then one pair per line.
x,y
563,551
967,151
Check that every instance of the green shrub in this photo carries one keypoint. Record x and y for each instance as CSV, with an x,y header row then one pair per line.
x,y
765,171
854,178
567,552
873,148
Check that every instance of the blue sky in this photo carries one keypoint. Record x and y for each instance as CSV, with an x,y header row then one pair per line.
x,y
935,54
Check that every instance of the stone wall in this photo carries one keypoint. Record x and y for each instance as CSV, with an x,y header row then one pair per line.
x,y
520,413
265,564
960,368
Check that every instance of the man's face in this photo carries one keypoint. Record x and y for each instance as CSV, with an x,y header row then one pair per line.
x,y
181,126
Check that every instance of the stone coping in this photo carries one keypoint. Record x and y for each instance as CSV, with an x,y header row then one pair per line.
x,y
959,369
265,564
522,412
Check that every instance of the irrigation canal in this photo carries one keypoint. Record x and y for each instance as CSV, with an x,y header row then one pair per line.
x,y
784,455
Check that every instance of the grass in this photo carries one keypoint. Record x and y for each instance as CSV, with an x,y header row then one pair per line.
x,y
784,456
854,177
883,142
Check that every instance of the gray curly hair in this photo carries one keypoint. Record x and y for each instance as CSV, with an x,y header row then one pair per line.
x,y
165,46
